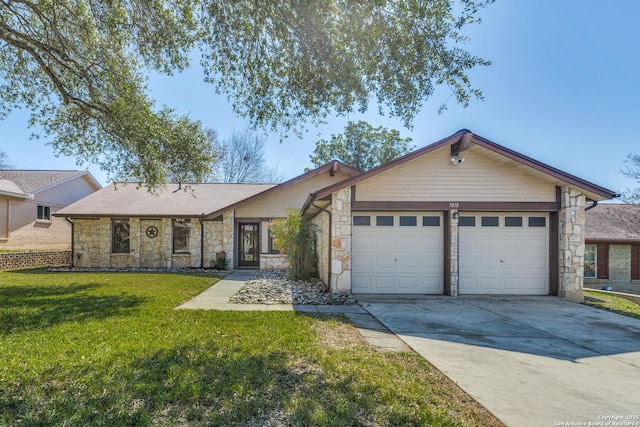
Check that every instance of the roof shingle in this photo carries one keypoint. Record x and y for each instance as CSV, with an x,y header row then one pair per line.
x,y
613,223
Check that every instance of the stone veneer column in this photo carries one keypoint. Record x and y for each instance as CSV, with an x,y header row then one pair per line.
x,y
571,245
454,259
340,280
228,230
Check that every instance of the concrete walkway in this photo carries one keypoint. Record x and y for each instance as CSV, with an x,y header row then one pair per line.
x,y
217,298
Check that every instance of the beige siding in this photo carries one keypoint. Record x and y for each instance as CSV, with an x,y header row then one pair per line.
x,y
264,238
4,218
275,204
63,195
26,232
435,178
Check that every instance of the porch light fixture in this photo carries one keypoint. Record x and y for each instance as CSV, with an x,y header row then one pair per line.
x,y
455,215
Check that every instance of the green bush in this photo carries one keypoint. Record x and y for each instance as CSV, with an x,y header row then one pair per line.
x,y
296,238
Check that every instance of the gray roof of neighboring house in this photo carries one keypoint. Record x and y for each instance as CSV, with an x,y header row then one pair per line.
x,y
613,223
174,201
33,181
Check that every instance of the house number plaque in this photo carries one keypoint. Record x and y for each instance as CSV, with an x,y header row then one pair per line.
x,y
152,231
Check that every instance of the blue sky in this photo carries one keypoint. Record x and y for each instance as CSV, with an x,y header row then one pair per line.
x,y
563,88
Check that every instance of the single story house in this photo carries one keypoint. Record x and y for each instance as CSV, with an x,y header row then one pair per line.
x,y
612,247
28,200
461,216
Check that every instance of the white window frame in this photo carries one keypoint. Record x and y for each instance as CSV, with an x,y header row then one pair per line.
x,y
43,213
594,269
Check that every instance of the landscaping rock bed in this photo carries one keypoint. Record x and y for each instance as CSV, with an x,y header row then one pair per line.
x,y
274,287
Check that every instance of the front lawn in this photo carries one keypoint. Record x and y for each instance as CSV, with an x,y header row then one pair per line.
x,y
613,303
107,349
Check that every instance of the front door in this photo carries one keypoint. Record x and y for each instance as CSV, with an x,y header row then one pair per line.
x,y
248,245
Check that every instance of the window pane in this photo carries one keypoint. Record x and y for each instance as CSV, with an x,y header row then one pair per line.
x,y
43,212
490,221
361,220
431,221
384,221
537,221
408,221
590,253
467,221
181,235
120,236
513,221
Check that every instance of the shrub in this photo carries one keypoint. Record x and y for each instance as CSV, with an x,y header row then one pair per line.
x,y
296,238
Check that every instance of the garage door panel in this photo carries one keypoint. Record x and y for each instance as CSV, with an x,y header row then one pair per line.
x,y
504,260
405,259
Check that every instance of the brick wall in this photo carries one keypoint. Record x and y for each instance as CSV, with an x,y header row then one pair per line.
x,y
14,260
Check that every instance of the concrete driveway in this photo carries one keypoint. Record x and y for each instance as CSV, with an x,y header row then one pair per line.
x,y
532,361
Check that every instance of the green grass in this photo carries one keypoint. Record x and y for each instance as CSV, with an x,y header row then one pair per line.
x,y
614,303
107,349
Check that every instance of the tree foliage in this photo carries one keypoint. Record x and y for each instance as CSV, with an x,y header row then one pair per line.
x,y
632,170
80,67
362,146
5,161
240,158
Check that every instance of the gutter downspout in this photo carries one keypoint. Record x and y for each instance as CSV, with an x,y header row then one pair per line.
x,y
329,241
595,203
72,239
201,243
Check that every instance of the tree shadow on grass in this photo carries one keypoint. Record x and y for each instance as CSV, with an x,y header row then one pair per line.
x,y
204,385
26,308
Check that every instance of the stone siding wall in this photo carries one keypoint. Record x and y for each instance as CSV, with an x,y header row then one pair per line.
x,y
454,254
15,260
92,245
321,223
274,261
340,281
571,245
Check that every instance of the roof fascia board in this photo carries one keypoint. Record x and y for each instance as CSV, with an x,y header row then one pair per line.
x,y
82,174
457,138
542,167
16,195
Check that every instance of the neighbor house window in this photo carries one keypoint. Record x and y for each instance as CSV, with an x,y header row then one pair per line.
x,y
43,213
181,229
590,261
120,236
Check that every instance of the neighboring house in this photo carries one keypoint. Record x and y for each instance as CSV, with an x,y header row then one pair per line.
x,y
461,216
28,200
612,247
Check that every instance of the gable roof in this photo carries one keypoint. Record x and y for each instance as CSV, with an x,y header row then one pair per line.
x,y
34,181
613,223
332,167
460,141
127,200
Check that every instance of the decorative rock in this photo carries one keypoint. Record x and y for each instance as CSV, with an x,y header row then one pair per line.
x,y
274,287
